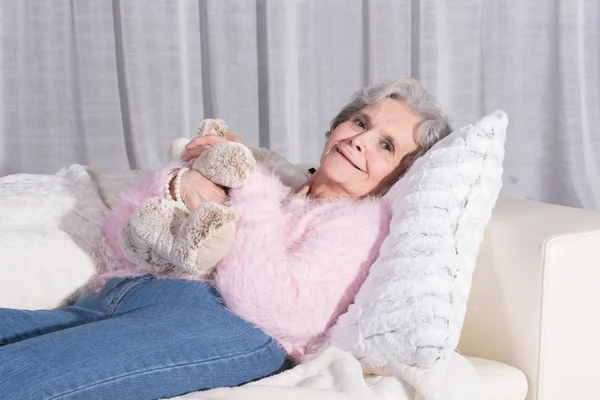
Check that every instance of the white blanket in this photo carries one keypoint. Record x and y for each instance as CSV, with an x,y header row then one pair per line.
x,y
50,243
332,375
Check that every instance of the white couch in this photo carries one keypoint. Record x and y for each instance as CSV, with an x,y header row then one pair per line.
x,y
534,298
531,308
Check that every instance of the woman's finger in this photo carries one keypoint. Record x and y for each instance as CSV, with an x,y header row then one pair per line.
x,y
200,144
204,140
197,141
193,153
233,137
303,190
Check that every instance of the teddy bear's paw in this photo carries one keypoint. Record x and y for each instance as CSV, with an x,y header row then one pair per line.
x,y
204,239
212,127
147,236
136,249
227,164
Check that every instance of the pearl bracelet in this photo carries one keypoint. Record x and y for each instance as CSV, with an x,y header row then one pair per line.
x,y
167,187
178,183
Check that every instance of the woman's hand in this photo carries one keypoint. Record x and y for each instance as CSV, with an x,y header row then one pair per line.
x,y
196,189
198,145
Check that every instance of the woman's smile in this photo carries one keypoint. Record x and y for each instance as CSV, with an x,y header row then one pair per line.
x,y
348,157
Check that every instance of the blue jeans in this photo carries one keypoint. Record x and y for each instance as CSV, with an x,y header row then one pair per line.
x,y
138,338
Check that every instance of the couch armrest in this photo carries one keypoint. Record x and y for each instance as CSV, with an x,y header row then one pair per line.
x,y
535,295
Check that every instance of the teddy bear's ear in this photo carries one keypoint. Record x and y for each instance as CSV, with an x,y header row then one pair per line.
x,y
212,127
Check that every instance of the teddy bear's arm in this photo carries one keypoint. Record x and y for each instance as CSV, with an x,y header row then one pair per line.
x,y
131,199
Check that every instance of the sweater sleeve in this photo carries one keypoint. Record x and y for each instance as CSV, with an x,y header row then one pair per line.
x,y
131,199
296,290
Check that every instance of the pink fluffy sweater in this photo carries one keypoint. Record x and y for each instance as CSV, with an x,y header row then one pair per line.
x,y
295,264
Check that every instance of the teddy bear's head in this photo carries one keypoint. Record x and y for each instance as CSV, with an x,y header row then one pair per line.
x,y
212,127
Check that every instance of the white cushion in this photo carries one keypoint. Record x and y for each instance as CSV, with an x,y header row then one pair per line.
x,y
40,267
410,310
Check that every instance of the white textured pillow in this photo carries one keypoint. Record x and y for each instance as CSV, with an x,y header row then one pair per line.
x,y
410,310
50,232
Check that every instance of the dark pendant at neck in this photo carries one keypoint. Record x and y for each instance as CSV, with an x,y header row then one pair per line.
x,y
311,171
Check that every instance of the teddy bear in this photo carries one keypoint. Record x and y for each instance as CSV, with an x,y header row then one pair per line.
x,y
164,238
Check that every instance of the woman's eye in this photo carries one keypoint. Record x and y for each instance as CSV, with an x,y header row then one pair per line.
x,y
387,146
360,123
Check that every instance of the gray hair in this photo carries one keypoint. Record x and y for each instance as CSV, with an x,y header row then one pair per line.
x,y
434,124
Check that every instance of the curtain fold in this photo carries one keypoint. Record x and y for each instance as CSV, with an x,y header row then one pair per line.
x,y
110,83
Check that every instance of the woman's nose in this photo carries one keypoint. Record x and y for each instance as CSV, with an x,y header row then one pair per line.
x,y
356,144
359,141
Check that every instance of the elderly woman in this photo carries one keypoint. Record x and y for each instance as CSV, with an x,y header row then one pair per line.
x,y
299,257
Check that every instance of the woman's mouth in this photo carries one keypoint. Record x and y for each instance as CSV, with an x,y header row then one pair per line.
x,y
337,149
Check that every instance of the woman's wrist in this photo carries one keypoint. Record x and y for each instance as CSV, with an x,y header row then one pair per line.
x,y
172,188
177,184
168,186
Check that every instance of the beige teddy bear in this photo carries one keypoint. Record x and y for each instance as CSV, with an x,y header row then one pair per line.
x,y
163,237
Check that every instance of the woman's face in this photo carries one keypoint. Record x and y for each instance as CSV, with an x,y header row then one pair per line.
x,y
363,154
